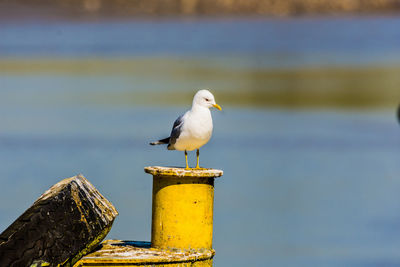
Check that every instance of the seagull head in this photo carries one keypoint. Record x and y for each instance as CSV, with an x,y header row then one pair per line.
x,y
206,99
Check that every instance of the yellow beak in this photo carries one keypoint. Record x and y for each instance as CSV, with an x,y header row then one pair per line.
x,y
217,106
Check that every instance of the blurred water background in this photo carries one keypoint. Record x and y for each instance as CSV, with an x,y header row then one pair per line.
x,y
308,138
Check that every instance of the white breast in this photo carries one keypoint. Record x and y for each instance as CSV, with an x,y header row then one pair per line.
x,y
196,130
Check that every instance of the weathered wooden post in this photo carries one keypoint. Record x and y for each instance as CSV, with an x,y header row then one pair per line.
x,y
182,224
65,223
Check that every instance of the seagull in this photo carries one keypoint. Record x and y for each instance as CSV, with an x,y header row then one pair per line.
x,y
193,129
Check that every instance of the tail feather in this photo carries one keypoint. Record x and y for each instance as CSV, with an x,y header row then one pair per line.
x,y
160,142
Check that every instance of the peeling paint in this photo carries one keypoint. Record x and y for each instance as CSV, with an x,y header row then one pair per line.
x,y
118,252
181,172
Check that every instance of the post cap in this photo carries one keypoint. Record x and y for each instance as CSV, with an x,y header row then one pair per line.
x,y
181,172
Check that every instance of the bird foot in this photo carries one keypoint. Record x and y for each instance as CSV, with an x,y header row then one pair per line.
x,y
199,168
195,169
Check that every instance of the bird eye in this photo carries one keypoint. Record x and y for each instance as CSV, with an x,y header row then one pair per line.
x,y
207,99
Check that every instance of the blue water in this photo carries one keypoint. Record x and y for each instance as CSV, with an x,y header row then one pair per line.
x,y
257,42
307,187
299,188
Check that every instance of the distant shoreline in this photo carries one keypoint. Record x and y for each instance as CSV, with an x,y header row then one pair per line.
x,y
363,87
127,9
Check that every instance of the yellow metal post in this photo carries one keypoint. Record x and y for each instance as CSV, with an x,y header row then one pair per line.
x,y
182,213
182,222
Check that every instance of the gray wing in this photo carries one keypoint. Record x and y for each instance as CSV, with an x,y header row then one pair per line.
x,y
176,132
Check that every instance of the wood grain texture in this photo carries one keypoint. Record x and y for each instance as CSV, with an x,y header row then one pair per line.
x,y
62,225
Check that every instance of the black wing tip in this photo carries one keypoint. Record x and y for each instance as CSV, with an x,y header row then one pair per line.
x,y
160,142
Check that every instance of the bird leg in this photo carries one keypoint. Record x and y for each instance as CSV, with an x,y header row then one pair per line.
x,y
197,154
187,165
197,165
